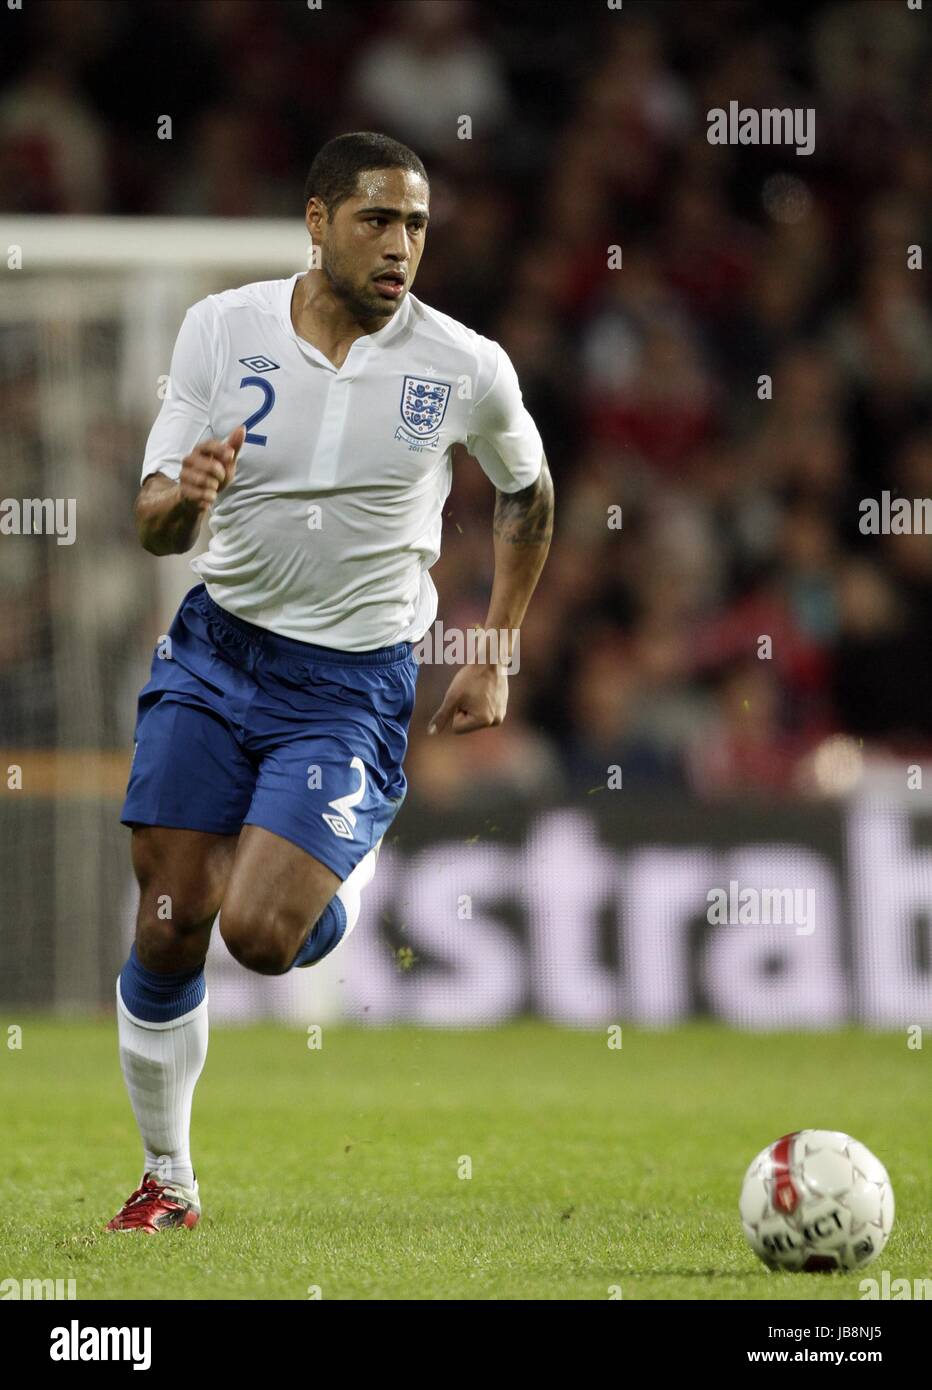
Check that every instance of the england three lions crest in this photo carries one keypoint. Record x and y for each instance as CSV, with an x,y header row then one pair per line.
x,y
423,405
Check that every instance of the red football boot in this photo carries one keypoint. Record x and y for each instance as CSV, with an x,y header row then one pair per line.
x,y
157,1206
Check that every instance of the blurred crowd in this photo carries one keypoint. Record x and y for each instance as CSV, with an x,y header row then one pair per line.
x,y
714,407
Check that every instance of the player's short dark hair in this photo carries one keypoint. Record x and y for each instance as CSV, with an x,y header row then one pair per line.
x,y
336,168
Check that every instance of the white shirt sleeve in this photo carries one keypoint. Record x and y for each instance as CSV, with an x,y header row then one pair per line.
x,y
184,419
502,435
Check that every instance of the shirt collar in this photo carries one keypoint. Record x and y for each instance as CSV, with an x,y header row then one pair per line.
x,y
394,326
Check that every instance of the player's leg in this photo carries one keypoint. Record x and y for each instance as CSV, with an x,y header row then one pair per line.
x,y
308,848
341,914
162,1011
182,877
330,731
276,894
190,786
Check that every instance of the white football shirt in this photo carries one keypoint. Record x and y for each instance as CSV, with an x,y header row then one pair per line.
x,y
333,518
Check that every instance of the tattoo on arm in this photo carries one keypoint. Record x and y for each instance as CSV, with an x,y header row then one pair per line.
x,y
526,517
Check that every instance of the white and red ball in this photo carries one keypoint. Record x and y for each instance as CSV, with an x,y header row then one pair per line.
x,y
816,1200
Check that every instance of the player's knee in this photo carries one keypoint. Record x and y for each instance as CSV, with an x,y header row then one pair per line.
x,y
171,945
260,941
173,936
182,891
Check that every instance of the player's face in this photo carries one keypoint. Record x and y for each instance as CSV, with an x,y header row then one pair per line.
x,y
371,248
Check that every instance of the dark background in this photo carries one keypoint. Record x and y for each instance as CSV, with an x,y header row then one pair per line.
x,y
588,131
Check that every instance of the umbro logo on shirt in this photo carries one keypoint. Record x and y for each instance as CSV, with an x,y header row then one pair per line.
x,y
259,364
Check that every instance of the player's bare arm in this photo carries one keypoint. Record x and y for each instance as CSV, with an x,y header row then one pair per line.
x,y
169,514
522,528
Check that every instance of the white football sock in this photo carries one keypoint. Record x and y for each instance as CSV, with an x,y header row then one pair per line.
x,y
350,890
161,1063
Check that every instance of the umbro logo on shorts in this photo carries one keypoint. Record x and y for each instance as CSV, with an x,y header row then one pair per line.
x,y
339,826
259,363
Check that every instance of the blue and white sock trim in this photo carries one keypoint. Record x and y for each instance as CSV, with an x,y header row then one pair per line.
x,y
159,1000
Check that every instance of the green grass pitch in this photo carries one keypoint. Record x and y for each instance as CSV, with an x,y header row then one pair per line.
x,y
338,1169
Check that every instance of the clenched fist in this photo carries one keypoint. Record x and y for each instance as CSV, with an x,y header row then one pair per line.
x,y
476,699
209,468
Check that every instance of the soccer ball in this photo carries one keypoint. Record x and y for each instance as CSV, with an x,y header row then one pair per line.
x,y
816,1200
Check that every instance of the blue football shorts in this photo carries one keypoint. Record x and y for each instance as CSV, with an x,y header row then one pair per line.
x,y
239,726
